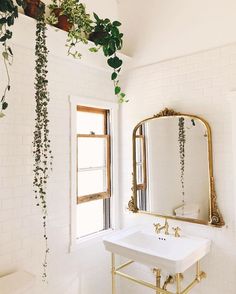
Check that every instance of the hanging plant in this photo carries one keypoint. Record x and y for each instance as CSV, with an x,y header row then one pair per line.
x,y
106,35
41,144
182,141
71,16
8,14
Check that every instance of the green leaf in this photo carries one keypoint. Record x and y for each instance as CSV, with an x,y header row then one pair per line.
x,y
10,51
4,105
117,90
93,49
96,16
105,51
115,32
122,95
114,62
116,23
21,3
10,20
3,38
5,55
112,45
114,76
3,20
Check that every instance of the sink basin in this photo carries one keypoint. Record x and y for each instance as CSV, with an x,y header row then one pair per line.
x,y
158,250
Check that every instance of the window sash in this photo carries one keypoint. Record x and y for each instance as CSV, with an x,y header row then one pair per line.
x,y
142,163
104,112
102,194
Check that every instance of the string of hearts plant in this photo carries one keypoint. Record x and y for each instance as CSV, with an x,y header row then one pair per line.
x,y
42,144
8,14
182,141
82,28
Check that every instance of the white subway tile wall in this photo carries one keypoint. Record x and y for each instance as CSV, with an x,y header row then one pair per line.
x,y
201,84
21,235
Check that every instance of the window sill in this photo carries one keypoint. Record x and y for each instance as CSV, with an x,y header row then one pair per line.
x,y
93,238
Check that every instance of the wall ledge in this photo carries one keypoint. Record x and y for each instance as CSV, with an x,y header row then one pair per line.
x,y
24,36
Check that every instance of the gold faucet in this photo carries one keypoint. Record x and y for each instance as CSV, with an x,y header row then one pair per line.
x,y
159,228
176,231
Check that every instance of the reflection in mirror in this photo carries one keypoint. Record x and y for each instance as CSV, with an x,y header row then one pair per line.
x,y
173,153
173,169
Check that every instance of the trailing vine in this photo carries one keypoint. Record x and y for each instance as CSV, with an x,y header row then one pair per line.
x,y
182,141
106,35
79,22
82,28
41,144
8,14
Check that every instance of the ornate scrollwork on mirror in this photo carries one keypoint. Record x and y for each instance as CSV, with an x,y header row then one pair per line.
x,y
173,169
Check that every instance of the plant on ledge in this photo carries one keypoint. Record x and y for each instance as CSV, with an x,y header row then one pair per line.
x,y
106,35
71,15
8,14
41,144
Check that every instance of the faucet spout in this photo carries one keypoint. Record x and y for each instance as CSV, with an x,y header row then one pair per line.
x,y
159,228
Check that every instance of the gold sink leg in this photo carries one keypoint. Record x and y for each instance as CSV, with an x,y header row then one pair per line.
x,y
157,272
113,269
178,283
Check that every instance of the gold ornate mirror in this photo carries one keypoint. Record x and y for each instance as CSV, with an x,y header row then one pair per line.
x,y
173,169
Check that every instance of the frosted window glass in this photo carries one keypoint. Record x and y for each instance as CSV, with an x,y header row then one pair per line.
x,y
91,152
139,172
88,123
89,218
92,181
139,148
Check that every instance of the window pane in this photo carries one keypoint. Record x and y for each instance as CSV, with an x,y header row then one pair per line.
x,y
89,218
88,123
91,152
139,150
90,182
139,171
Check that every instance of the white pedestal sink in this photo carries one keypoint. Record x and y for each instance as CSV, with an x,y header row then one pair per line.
x,y
158,250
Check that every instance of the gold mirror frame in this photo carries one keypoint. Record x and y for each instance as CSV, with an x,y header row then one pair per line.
x,y
215,217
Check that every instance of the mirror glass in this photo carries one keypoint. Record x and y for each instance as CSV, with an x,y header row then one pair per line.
x,y
172,170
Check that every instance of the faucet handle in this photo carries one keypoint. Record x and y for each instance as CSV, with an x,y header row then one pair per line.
x,y
177,231
166,227
157,227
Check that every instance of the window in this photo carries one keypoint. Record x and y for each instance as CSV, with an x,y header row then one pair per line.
x,y
93,179
141,169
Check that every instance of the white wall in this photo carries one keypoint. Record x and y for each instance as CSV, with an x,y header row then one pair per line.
x,y
21,236
198,84
162,29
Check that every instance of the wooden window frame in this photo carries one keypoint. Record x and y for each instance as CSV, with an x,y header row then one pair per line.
x,y
143,185
105,194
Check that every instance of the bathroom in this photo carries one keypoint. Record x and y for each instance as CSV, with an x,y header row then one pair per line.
x,y
178,55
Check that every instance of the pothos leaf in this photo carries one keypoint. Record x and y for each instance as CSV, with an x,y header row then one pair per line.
x,y
115,62
116,23
4,105
117,90
114,76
